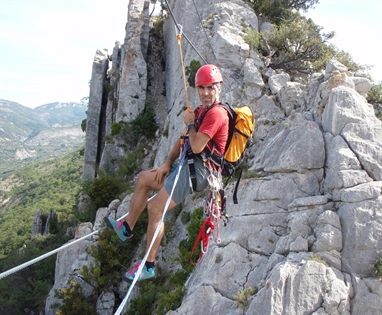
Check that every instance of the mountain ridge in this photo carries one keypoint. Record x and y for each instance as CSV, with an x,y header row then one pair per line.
x,y
28,134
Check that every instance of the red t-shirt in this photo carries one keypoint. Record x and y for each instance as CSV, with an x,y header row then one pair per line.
x,y
214,124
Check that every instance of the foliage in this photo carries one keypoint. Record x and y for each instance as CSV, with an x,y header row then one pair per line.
x,y
165,293
161,295
185,218
243,297
52,185
28,288
131,163
191,71
347,60
278,11
112,256
73,301
170,296
83,125
157,29
378,268
318,259
253,38
103,189
375,97
299,46
143,125
116,128
185,246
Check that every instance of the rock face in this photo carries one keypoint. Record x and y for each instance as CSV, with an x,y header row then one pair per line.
x,y
41,225
306,231
68,265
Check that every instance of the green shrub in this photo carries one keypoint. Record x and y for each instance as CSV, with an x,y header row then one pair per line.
x,y
131,163
378,268
319,259
243,297
186,217
278,11
185,246
375,94
299,46
73,301
116,128
161,295
103,189
191,71
253,39
112,257
375,97
144,125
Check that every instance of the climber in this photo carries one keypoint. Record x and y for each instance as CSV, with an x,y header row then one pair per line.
x,y
214,126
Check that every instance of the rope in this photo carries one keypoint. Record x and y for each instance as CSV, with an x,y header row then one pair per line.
x,y
142,264
214,210
179,37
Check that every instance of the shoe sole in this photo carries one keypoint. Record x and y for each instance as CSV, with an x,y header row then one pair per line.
x,y
131,280
108,223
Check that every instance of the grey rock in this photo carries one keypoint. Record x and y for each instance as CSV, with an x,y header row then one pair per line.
x,y
361,234
277,81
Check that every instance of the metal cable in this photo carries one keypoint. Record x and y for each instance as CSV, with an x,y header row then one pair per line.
x,y
184,35
46,255
205,33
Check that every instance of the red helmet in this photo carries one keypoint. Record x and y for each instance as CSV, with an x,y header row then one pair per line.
x,y
208,74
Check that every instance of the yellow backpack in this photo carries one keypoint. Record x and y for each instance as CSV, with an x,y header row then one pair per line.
x,y
241,128
240,131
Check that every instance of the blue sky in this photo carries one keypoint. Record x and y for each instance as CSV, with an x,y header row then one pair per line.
x,y
48,46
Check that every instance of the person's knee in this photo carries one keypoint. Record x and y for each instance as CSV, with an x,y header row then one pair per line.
x,y
143,179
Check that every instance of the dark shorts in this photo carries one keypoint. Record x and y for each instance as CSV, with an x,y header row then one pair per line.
x,y
184,186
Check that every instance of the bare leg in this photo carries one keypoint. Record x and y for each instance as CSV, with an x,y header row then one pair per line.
x,y
145,182
155,209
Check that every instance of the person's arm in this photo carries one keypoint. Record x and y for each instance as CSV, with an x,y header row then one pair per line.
x,y
174,153
198,140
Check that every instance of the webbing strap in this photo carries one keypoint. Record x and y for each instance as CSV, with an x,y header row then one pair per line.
x,y
191,166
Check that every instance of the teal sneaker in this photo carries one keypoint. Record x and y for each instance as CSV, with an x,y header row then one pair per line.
x,y
118,228
145,274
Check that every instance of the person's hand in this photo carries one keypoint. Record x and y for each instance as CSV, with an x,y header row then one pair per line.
x,y
161,172
189,117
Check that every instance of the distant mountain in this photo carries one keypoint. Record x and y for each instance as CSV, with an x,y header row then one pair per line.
x,y
55,113
28,135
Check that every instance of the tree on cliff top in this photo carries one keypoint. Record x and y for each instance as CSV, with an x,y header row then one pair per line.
x,y
278,11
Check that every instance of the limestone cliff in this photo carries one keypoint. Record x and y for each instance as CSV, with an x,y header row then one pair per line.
x,y
306,232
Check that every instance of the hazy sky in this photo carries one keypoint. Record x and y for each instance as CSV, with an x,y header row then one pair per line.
x,y
48,46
